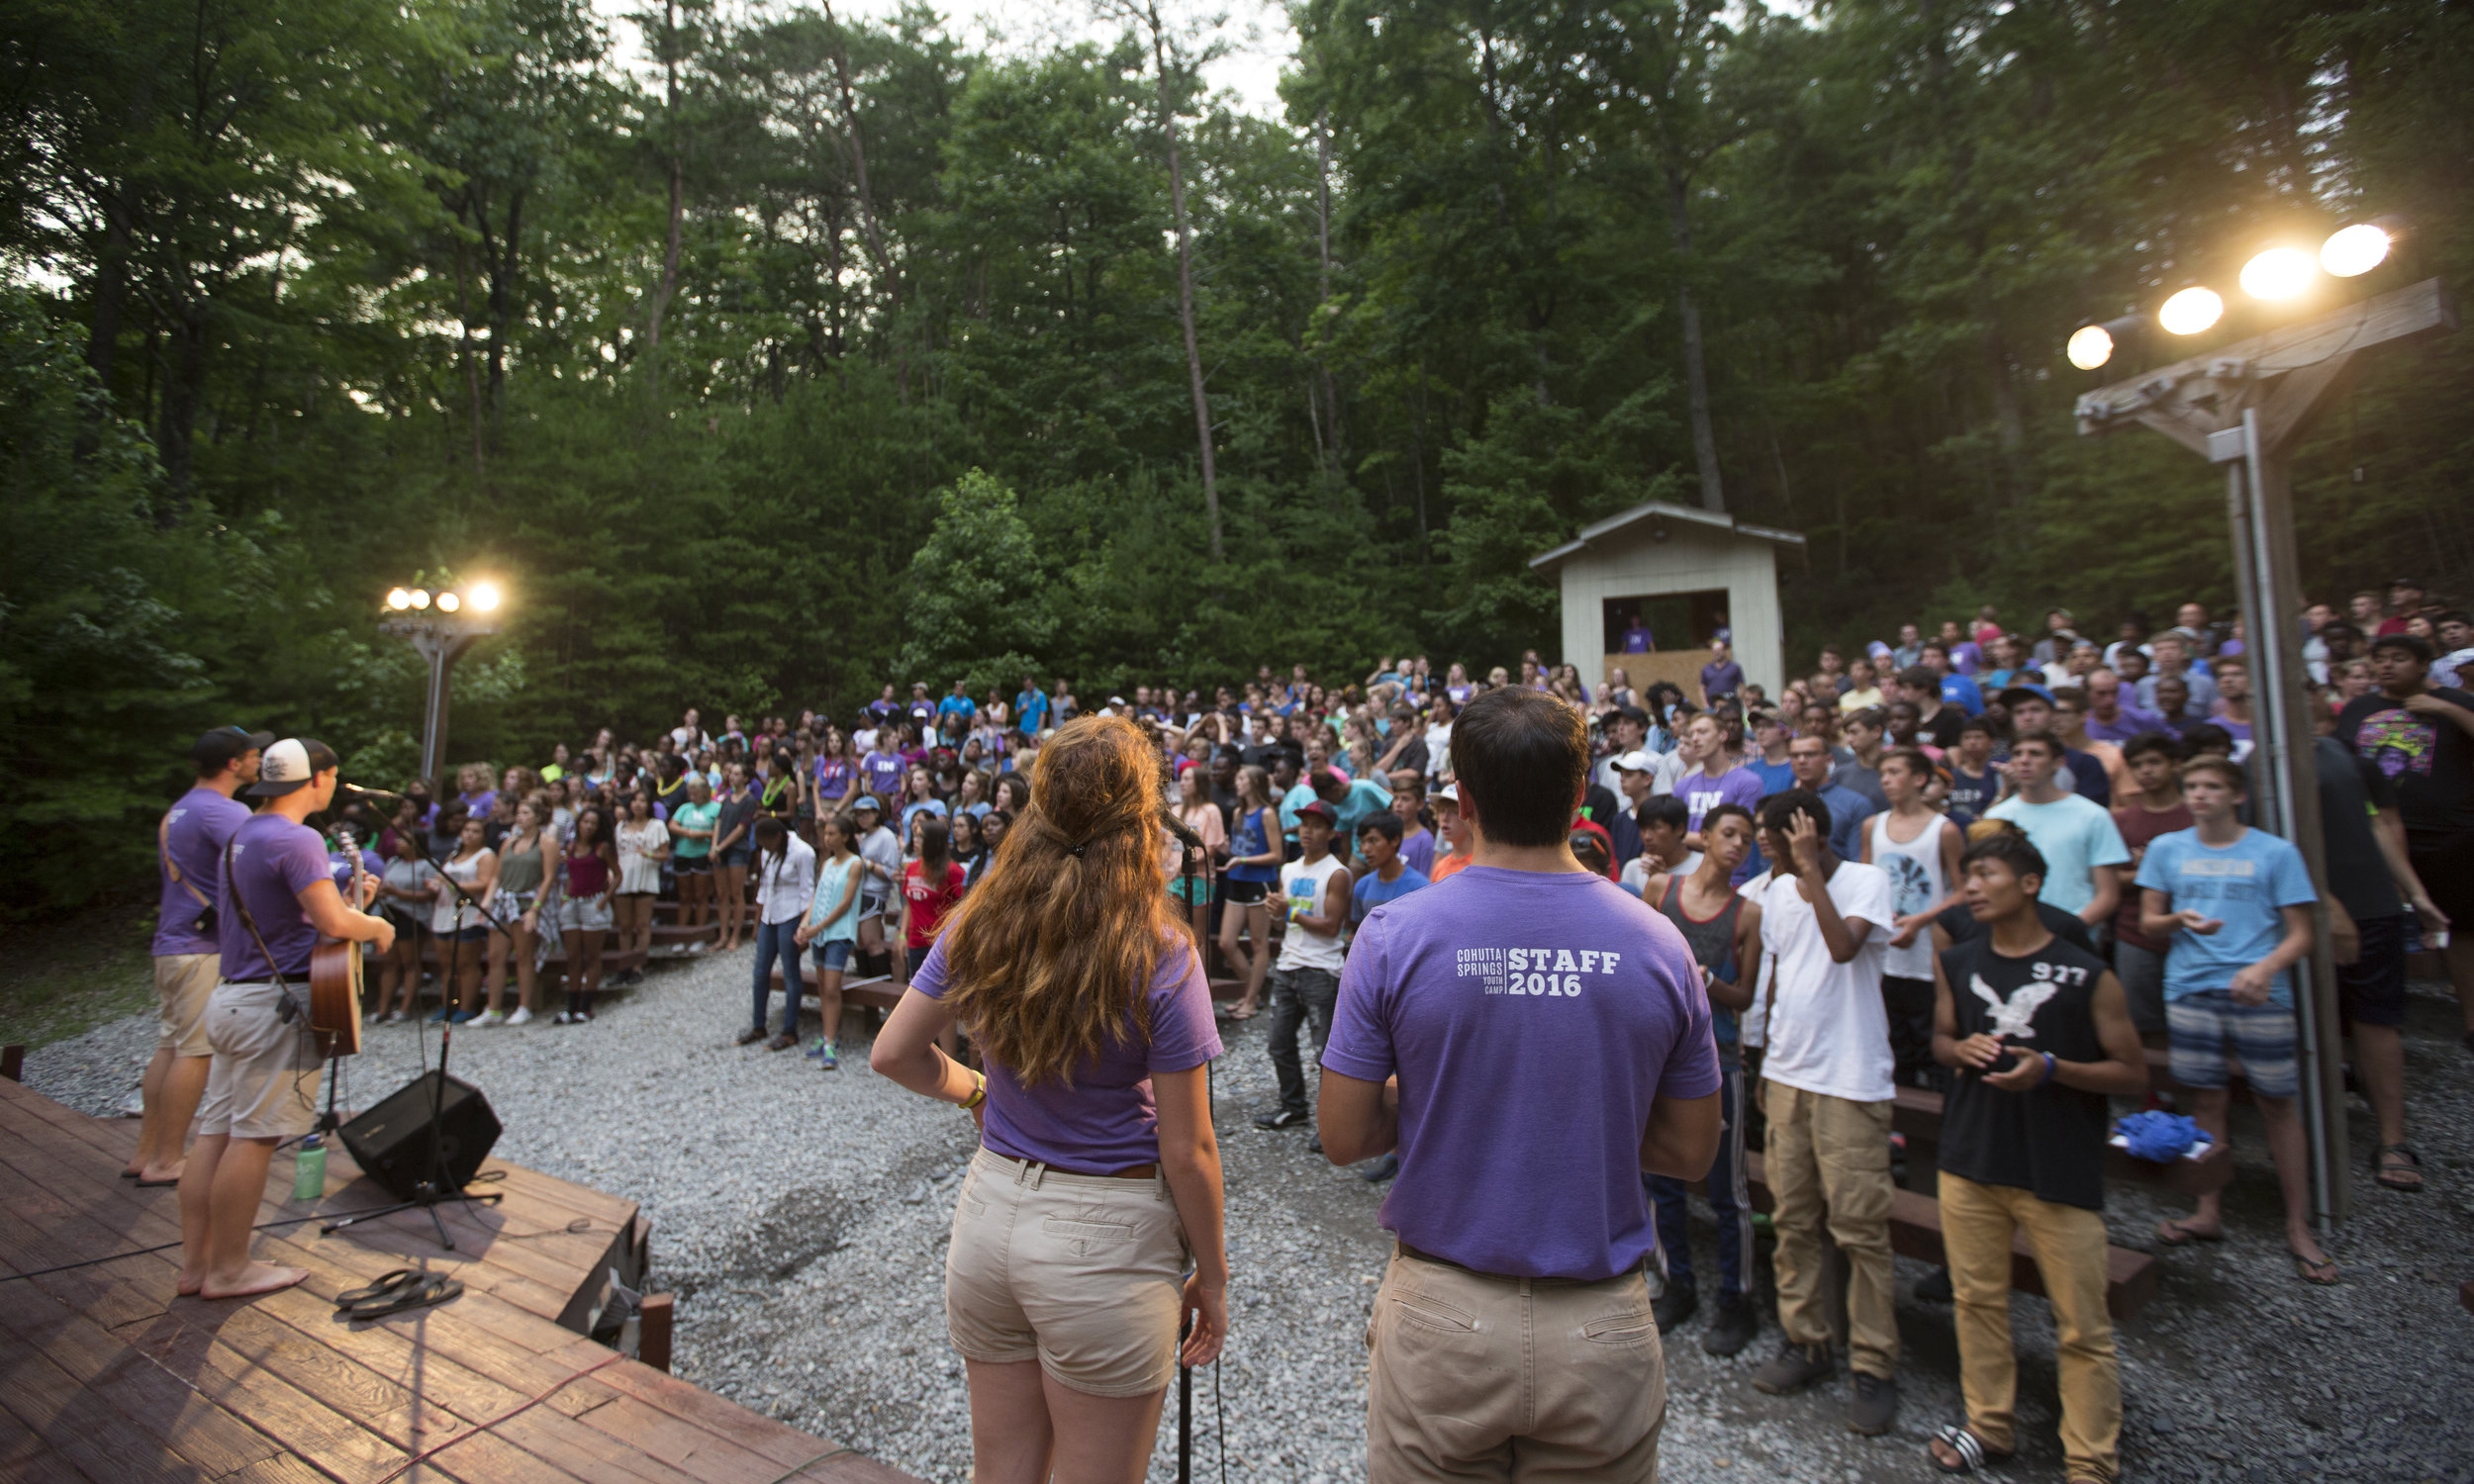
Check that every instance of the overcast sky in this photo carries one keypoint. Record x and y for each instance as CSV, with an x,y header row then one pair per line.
x,y
1257,36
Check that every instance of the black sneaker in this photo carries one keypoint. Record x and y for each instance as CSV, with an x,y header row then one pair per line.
x,y
1875,1406
1385,1169
751,1035
1933,1289
1280,1118
1794,1368
1678,1304
1734,1326
1314,1145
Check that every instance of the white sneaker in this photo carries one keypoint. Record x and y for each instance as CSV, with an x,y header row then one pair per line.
x,y
395,1017
488,1018
521,1016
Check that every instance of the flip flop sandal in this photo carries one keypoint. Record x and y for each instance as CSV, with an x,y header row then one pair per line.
x,y
146,1184
2174,1233
385,1284
429,1288
2384,1170
1972,1451
2309,1272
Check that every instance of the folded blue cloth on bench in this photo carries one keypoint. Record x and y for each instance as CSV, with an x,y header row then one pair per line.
x,y
2160,1135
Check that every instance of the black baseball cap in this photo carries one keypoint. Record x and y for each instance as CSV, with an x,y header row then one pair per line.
x,y
291,764
216,750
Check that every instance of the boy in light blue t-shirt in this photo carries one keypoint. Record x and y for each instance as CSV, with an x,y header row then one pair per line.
x,y
2235,907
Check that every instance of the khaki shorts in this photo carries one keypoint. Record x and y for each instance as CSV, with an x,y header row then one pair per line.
x,y
264,1081
1462,1363
1083,1273
183,984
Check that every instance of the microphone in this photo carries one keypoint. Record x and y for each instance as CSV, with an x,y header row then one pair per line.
x,y
357,792
1183,832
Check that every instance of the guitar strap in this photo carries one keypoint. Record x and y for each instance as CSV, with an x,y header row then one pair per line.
x,y
163,848
290,1009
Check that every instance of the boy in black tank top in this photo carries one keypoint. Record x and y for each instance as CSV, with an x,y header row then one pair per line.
x,y
2039,1035
1726,943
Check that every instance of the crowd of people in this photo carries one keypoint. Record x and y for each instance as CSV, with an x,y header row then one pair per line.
x,y
1980,862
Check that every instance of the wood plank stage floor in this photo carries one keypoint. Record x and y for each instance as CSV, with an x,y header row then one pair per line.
x,y
107,1375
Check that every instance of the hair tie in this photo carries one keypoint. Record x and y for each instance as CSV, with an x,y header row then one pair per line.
x,y
1076,850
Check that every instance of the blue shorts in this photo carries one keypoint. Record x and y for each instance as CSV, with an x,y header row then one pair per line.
x,y
833,956
2201,1027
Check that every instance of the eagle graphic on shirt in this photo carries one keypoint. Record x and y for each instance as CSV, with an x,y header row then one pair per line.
x,y
2015,1016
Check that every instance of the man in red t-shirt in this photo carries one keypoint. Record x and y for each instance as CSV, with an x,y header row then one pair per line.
x,y
2152,762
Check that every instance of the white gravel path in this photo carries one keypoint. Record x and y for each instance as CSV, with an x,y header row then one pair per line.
x,y
801,1216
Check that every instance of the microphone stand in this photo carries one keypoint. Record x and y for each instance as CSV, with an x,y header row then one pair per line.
x,y
431,1193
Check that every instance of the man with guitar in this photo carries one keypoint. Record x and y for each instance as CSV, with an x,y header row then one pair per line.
x,y
262,1088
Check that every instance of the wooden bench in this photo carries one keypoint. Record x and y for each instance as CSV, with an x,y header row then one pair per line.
x,y
1916,1232
875,991
1916,1112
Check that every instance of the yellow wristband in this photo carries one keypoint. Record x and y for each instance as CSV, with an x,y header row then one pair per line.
x,y
979,1095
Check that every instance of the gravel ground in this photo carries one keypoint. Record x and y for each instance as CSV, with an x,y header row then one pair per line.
x,y
801,1216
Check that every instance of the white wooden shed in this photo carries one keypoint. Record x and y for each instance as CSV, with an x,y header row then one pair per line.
x,y
1686,573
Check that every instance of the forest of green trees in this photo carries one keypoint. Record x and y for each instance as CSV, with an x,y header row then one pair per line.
x,y
304,299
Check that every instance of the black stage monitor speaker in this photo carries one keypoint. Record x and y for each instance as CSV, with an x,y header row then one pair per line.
x,y
391,1141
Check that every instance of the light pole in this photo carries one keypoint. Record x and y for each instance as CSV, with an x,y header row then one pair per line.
x,y
2244,407
441,627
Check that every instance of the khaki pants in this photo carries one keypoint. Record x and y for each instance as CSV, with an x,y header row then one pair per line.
x,y
1829,1160
1977,1222
1529,1379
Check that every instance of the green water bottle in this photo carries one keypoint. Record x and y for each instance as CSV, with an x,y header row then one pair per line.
x,y
308,1169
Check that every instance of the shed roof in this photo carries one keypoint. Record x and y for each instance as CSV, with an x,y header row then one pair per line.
x,y
1614,526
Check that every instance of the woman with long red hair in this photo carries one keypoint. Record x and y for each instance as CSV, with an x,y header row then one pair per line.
x,y
1097,1175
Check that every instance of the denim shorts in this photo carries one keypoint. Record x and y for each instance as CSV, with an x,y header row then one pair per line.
x,y
833,956
2201,1027
738,857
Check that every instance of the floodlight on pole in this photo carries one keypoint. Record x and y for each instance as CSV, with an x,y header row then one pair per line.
x,y
421,597
2091,345
2191,311
2279,273
448,603
399,599
2351,252
440,625
484,597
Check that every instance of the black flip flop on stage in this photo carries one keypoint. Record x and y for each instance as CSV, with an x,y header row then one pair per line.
x,y
384,1284
422,1291
146,1184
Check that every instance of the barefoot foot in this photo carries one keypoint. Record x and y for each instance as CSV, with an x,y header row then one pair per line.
x,y
257,1278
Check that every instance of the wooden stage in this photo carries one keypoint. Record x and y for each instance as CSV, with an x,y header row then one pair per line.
x,y
106,1375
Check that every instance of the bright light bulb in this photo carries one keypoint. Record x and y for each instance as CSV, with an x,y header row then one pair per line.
x,y
2191,311
399,599
448,603
2353,250
484,597
421,597
2090,347
2279,273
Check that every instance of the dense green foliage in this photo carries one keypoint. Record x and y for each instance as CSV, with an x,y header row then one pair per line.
x,y
315,295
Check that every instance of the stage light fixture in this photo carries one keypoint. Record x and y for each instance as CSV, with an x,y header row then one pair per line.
x,y
2351,252
448,603
421,597
2279,273
484,597
399,599
2091,345
2191,311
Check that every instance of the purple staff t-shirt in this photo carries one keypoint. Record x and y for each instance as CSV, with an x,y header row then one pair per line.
x,y
1700,793
881,770
273,861
201,822
1107,1120
1532,1018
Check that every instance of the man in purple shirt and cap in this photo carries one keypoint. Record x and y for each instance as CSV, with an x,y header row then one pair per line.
x,y
189,849
1532,1039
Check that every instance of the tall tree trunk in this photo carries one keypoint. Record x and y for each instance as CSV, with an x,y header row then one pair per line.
x,y
1322,215
867,204
678,200
501,261
1185,283
1695,370
463,353
184,388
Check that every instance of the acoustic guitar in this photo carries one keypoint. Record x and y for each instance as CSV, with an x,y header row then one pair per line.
x,y
335,977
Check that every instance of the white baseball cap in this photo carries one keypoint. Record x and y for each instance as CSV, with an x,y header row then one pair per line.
x,y
291,764
1450,791
1636,761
